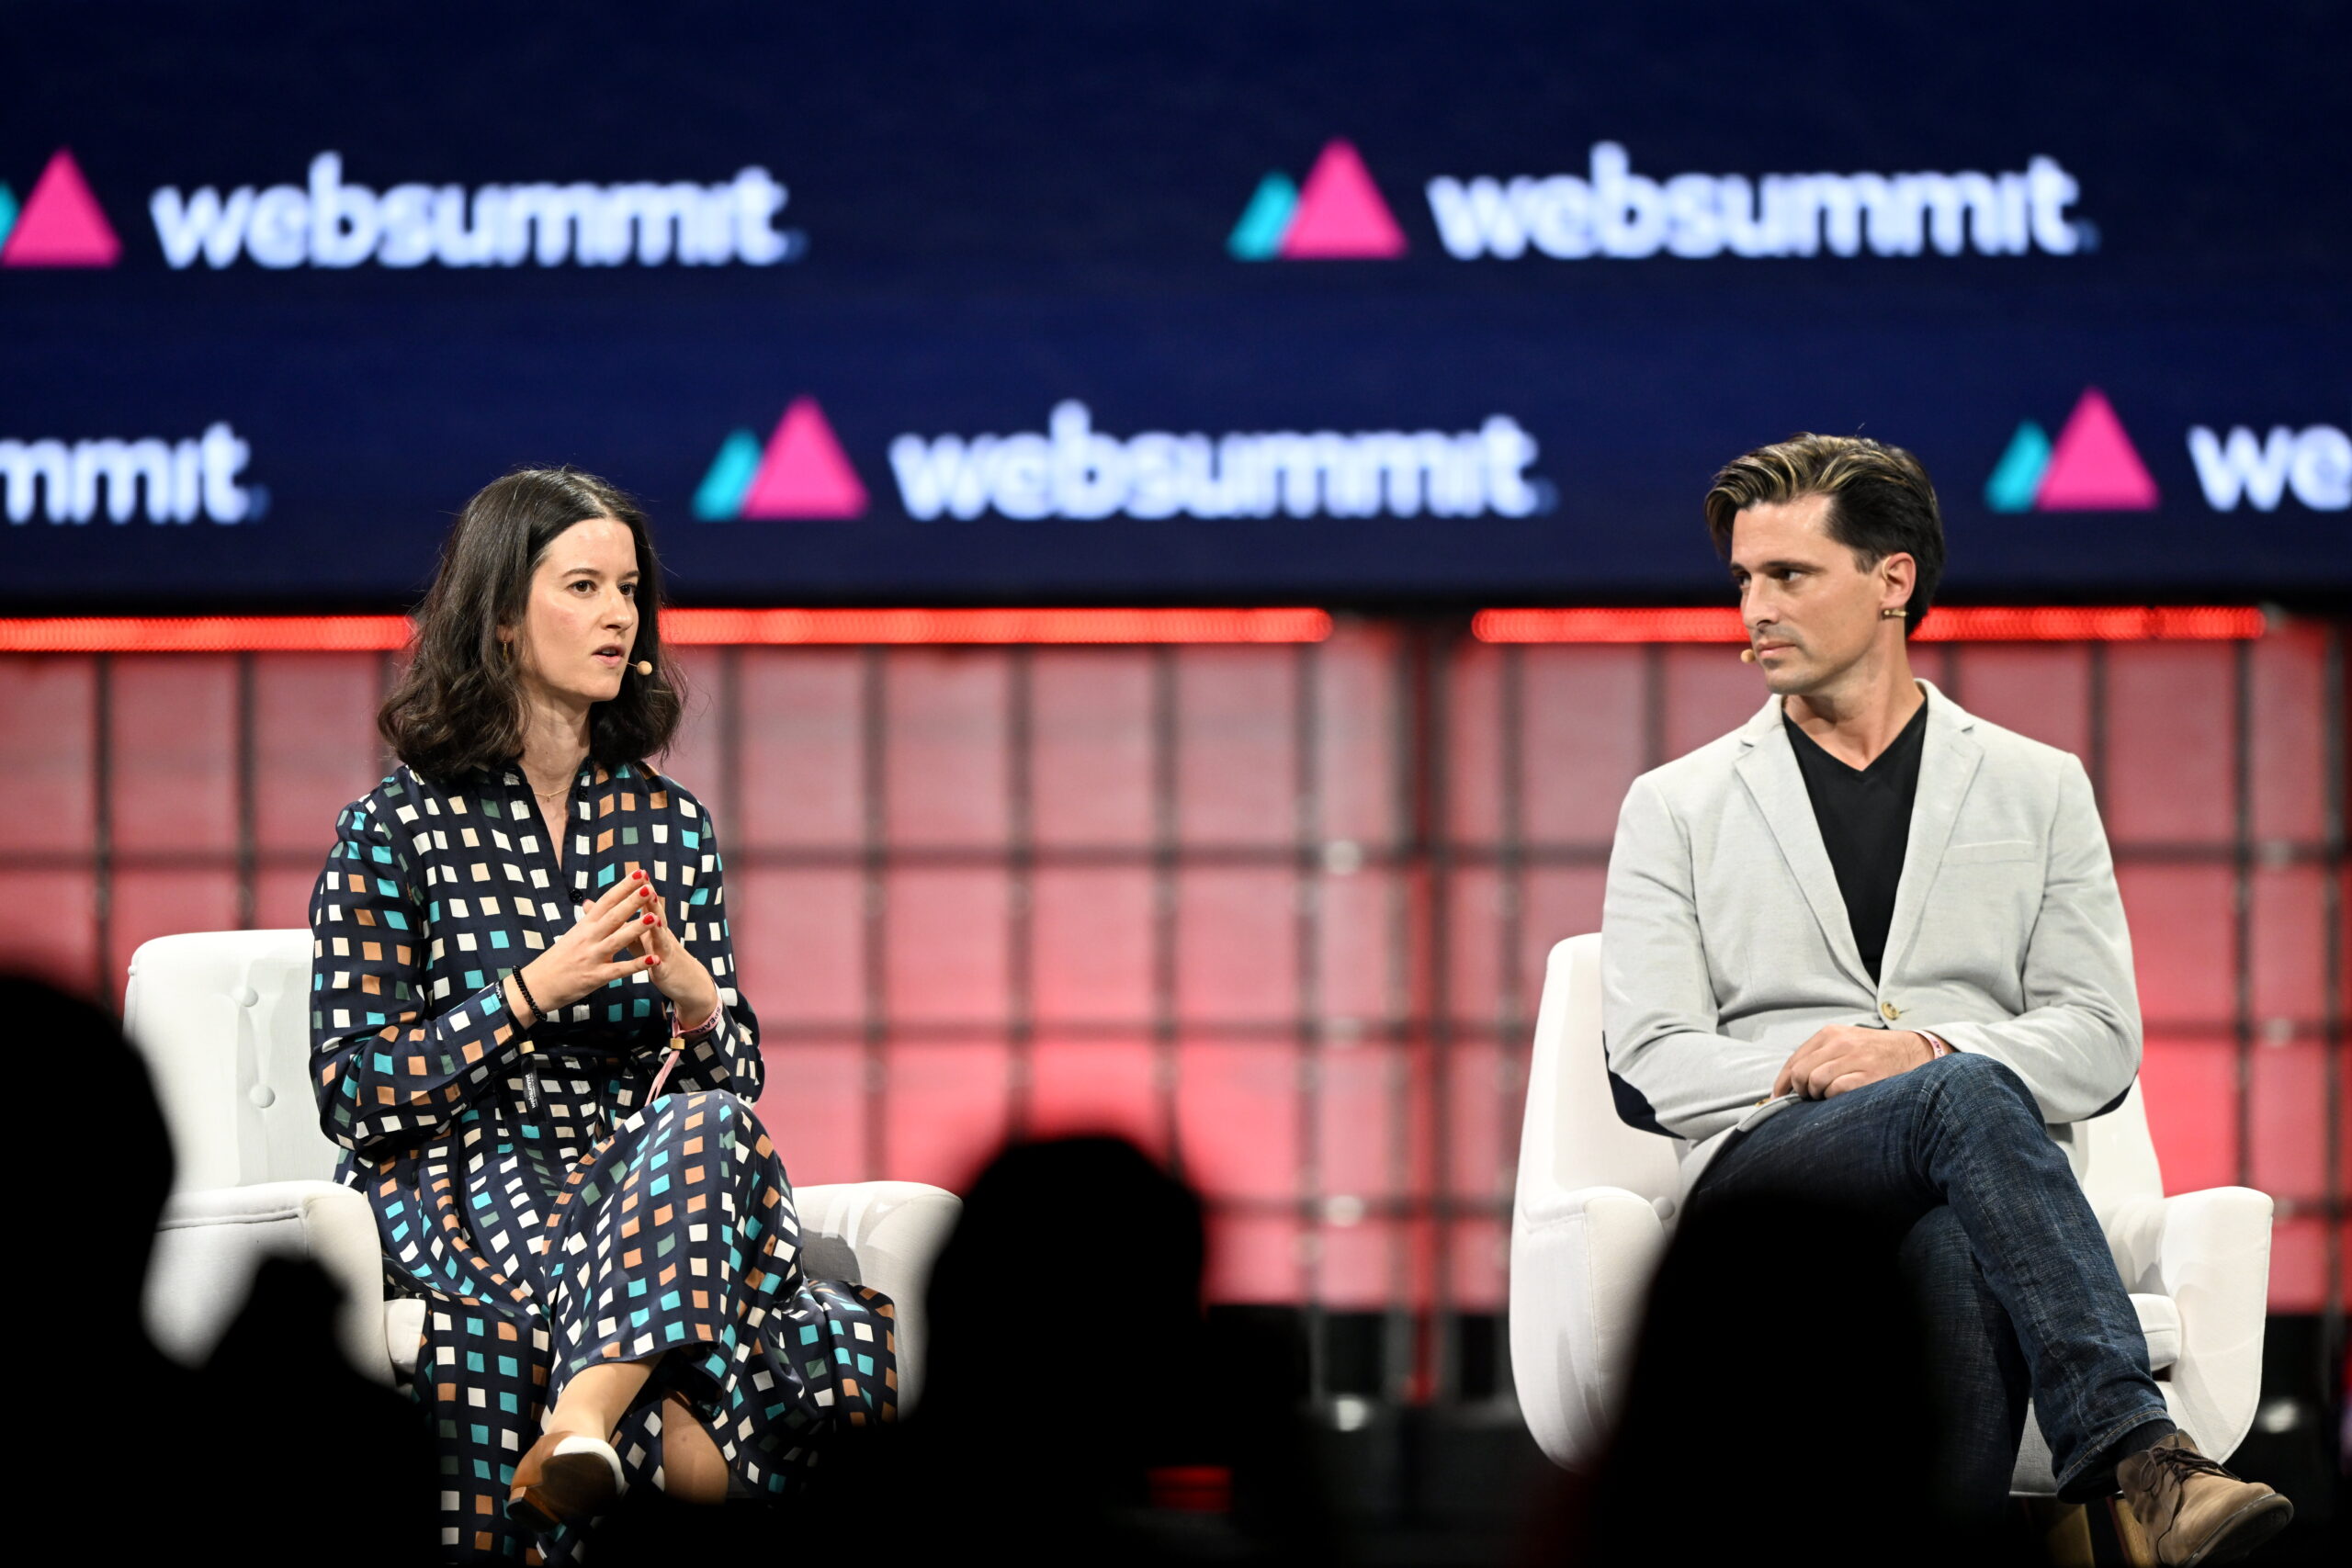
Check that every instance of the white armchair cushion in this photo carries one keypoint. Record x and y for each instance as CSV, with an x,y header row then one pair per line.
x,y
208,1244
885,1235
404,1334
1580,1268
2208,1254
223,1019
2160,1324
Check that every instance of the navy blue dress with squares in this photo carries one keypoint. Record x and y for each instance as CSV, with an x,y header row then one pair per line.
x,y
550,1216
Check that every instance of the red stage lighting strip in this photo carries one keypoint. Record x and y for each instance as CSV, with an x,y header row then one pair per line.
x,y
753,626
1966,624
237,634
206,634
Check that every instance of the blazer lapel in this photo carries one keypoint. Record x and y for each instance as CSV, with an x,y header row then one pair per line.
x,y
1948,757
1768,769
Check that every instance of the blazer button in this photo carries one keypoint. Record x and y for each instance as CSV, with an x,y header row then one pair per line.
x,y
1889,1011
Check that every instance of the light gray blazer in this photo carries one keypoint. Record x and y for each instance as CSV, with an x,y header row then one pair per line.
x,y
1725,943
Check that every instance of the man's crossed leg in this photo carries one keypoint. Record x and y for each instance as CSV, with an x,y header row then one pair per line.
x,y
2019,1290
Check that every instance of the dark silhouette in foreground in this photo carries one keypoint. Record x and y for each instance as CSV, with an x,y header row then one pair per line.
x,y
1076,1406
276,1450
1780,1408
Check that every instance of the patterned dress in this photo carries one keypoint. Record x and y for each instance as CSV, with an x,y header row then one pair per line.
x,y
548,1215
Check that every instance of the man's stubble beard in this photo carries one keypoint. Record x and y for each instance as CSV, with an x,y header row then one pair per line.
x,y
1793,682
1811,675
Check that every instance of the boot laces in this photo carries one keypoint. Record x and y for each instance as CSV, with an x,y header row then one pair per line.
x,y
2180,1463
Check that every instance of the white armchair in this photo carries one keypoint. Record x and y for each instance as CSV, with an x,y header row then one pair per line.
x,y
222,1019
1589,1223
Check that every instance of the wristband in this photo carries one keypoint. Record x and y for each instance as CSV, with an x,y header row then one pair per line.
x,y
677,1046
1936,1048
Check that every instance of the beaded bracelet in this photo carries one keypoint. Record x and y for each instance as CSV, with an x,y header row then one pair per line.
x,y
528,1001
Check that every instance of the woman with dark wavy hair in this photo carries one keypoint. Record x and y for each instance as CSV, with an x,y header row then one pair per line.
x,y
530,1044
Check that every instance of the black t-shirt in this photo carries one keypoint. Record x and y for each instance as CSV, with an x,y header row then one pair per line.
x,y
1865,820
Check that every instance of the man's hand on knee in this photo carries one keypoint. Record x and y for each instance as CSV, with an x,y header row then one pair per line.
x,y
1843,1056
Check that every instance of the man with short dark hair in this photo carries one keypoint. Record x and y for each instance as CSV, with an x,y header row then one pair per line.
x,y
1869,948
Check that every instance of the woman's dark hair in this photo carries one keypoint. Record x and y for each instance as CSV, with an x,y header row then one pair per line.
x,y
458,708
1880,503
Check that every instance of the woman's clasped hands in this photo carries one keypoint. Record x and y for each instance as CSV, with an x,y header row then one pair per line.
x,y
625,931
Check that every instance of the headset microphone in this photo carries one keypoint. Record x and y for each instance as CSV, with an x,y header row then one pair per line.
x,y
1747,655
645,667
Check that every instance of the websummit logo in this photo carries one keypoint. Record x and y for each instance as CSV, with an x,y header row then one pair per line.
x,y
2092,467
61,223
1073,470
1337,213
801,474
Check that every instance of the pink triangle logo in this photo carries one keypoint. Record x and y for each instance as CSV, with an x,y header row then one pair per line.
x,y
2093,465
803,473
61,223
1340,212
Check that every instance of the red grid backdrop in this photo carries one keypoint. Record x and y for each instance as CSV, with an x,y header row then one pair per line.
x,y
1278,912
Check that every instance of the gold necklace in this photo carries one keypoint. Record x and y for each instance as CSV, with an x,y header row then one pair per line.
x,y
555,824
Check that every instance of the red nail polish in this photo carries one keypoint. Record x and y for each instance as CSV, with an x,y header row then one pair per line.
x,y
639,874
649,919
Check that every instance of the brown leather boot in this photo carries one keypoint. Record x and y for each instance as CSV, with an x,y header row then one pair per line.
x,y
2193,1511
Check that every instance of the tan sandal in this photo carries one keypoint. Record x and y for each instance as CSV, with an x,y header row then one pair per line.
x,y
567,1478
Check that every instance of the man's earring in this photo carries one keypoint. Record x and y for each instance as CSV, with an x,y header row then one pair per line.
x,y
1894,612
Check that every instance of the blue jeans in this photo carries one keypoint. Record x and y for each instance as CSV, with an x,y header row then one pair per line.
x,y
2019,1290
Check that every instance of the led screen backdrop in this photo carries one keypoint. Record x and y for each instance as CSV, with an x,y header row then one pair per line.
x,y
1341,302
